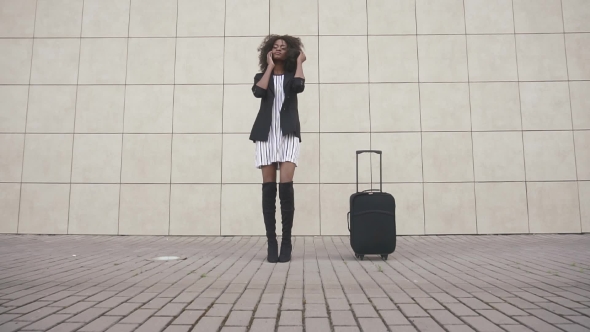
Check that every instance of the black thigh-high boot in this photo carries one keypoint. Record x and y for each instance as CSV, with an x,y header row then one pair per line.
x,y
287,197
269,195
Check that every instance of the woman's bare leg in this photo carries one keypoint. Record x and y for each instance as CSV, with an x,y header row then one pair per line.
x,y
269,173
287,171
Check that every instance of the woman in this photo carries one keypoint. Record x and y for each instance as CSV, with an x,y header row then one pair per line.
x,y
276,132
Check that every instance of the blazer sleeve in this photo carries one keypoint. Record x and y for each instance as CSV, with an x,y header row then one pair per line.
x,y
256,90
298,85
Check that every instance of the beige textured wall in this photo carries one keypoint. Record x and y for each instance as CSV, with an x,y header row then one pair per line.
x,y
132,117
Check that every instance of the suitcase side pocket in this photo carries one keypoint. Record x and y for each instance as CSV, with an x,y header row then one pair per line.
x,y
368,212
373,231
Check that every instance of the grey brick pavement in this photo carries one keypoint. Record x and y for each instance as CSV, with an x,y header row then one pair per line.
x,y
431,283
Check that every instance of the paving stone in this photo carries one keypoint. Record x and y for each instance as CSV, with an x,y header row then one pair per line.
x,y
65,327
394,317
267,311
201,303
412,310
77,308
291,318
143,297
572,327
383,304
572,296
100,324
536,324
228,298
496,317
509,309
434,284
346,329
292,304
357,299
88,315
427,324
364,310
563,311
482,324
139,316
123,328
547,316
47,322
415,292
445,317
263,325
171,309
248,300
178,328
530,297
101,296
28,308
12,326
233,329
428,303
315,311
520,303
157,303
372,324
342,318
185,297
460,309
474,303
188,317
32,316
123,309
154,324
112,302
239,318
582,320
208,324
314,299
317,325
486,297
8,317
516,328
338,304
58,296
459,328
290,329
403,328
444,298
565,302
219,310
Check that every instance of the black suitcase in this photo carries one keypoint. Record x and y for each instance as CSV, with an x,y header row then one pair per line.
x,y
371,218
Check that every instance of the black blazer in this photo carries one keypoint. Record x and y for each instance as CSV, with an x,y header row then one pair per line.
x,y
289,112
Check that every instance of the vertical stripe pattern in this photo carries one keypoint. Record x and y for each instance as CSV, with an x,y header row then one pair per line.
x,y
277,148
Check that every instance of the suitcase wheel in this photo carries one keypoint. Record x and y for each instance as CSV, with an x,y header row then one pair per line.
x,y
384,257
361,257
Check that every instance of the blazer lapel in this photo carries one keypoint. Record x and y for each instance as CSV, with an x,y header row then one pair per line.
x,y
287,80
271,84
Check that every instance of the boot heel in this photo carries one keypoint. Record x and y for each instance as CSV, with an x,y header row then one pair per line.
x,y
272,251
286,249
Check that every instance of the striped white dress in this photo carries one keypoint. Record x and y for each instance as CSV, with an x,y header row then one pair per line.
x,y
277,148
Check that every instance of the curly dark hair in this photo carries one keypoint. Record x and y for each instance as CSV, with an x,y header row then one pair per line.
x,y
294,46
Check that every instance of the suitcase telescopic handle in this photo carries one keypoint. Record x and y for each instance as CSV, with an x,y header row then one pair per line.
x,y
358,152
368,151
